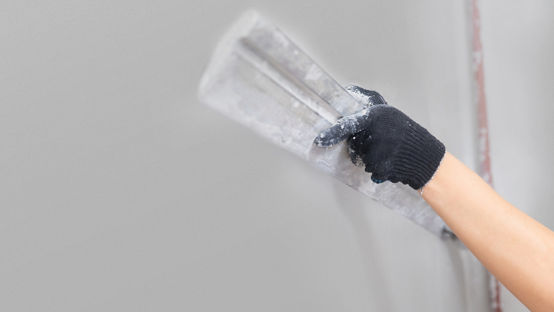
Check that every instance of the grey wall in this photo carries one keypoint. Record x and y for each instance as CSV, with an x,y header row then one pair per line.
x,y
121,192
519,44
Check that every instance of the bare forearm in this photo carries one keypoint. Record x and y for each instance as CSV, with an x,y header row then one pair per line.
x,y
515,248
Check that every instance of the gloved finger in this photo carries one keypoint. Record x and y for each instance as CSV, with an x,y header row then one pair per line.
x,y
358,144
354,156
364,96
343,128
354,123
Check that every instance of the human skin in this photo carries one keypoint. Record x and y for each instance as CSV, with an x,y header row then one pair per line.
x,y
515,248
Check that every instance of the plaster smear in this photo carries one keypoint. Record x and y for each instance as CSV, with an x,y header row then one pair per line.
x,y
260,78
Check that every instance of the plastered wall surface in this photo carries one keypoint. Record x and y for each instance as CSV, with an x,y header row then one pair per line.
x,y
121,192
519,77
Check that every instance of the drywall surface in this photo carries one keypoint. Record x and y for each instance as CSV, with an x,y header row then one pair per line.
x,y
121,192
519,75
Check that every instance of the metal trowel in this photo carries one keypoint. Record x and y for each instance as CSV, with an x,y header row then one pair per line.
x,y
261,79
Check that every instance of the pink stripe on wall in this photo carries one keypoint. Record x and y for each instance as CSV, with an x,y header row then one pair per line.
x,y
483,135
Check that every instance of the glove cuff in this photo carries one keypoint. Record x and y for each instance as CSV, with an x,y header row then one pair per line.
x,y
420,156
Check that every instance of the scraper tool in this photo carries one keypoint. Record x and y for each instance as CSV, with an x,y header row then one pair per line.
x,y
258,77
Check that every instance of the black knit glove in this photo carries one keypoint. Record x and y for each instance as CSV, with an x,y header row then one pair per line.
x,y
390,144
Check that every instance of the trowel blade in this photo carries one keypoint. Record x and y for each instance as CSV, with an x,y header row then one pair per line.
x,y
260,78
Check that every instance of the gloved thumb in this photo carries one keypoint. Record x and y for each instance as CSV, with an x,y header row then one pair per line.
x,y
354,123
343,128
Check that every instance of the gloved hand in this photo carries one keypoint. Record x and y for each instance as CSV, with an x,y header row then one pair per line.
x,y
392,146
